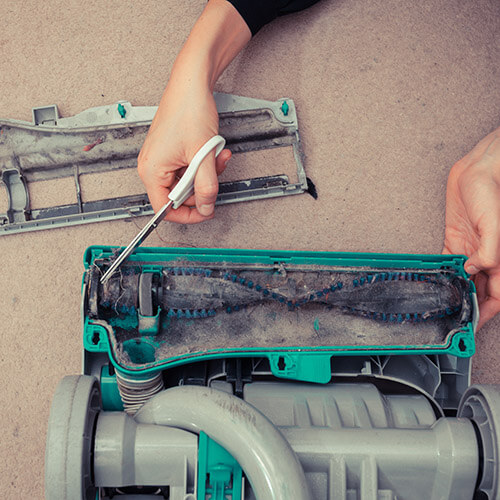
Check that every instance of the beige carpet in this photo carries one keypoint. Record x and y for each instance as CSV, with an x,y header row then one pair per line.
x,y
389,95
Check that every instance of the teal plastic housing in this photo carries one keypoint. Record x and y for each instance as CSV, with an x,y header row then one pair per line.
x,y
219,474
310,364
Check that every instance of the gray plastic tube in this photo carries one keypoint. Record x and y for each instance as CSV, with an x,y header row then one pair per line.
x,y
270,464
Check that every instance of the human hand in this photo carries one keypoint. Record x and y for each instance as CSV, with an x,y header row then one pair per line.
x,y
473,220
187,115
186,118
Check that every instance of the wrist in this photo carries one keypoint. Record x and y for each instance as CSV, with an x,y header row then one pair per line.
x,y
217,37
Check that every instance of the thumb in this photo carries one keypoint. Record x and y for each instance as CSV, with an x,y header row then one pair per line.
x,y
206,186
158,194
486,257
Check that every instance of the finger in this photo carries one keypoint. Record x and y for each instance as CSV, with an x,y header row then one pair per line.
x,y
186,215
158,195
487,255
190,202
477,153
220,166
206,186
481,284
180,172
222,160
489,308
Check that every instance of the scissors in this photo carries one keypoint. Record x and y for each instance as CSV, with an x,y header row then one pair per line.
x,y
181,192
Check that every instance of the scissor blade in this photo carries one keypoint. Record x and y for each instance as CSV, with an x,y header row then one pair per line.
x,y
143,234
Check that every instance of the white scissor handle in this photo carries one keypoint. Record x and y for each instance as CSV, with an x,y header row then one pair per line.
x,y
185,187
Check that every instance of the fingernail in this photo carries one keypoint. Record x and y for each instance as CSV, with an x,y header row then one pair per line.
x,y
472,270
206,209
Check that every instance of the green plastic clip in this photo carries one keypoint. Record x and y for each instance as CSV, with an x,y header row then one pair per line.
x,y
312,368
122,110
219,478
285,108
219,474
111,399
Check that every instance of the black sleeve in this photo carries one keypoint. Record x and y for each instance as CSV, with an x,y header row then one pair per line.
x,y
257,13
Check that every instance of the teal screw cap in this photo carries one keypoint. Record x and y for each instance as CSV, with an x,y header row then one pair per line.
x,y
122,110
285,108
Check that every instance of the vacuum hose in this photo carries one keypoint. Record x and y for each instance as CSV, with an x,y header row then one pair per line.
x,y
270,464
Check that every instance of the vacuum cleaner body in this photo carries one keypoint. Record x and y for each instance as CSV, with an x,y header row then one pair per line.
x,y
239,374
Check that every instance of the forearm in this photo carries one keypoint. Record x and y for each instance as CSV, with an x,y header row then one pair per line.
x,y
187,115
215,40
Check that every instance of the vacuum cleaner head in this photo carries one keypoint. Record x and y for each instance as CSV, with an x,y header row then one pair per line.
x,y
169,306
